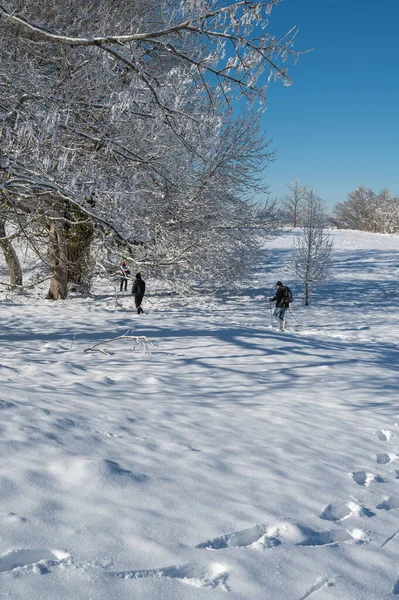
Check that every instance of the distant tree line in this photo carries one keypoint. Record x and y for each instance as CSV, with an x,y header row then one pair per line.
x,y
365,210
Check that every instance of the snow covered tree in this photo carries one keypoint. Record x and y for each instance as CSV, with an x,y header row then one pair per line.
x,y
311,258
367,211
385,213
292,202
104,104
357,211
207,228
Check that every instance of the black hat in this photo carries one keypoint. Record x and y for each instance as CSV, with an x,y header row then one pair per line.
x,y
138,275
279,283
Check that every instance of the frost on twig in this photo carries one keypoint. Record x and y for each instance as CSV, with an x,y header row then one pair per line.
x,y
117,303
73,339
140,343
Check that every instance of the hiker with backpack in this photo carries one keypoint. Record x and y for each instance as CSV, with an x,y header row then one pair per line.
x,y
282,298
138,291
124,274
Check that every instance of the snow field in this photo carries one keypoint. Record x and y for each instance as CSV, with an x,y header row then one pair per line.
x,y
233,461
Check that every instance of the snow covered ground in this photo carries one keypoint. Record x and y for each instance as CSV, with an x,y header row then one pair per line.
x,y
233,461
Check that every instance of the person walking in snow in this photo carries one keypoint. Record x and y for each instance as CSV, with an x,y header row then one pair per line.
x,y
138,291
282,298
124,273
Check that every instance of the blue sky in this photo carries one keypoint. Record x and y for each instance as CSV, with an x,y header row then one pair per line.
x,y
337,127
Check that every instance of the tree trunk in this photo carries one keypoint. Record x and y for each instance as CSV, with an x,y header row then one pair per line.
x,y
11,258
70,244
58,256
79,238
306,295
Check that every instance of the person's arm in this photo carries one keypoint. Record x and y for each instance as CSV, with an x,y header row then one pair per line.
x,y
278,296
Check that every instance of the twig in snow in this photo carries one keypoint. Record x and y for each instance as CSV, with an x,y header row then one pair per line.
x,y
73,339
390,538
317,586
140,340
116,300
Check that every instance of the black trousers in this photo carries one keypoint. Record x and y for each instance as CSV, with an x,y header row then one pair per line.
x,y
123,284
138,300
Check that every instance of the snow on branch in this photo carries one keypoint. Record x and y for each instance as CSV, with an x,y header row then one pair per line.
x,y
240,24
20,182
36,33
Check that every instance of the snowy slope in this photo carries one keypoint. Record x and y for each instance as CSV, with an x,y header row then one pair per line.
x,y
232,462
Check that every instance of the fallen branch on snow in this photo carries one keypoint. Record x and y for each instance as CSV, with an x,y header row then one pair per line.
x,y
117,303
140,341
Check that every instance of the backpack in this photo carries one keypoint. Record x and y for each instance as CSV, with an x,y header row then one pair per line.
x,y
138,287
287,296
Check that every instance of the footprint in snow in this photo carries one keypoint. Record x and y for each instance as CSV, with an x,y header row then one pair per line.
x,y
363,478
208,576
40,561
383,458
256,536
262,536
304,536
338,511
388,503
384,435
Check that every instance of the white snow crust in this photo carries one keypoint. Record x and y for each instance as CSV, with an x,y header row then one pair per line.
x,y
232,461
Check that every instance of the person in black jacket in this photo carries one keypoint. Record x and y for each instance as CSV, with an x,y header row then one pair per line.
x,y
281,304
138,291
